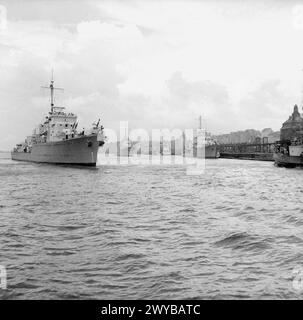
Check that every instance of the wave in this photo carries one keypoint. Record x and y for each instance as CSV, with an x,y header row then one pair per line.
x,y
132,256
245,241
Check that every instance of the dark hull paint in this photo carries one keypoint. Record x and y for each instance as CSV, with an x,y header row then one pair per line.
x,y
77,151
259,156
283,160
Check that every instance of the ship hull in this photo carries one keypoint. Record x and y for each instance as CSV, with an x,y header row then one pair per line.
x,y
211,152
77,151
283,160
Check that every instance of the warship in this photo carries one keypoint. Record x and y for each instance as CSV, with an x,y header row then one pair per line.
x,y
289,150
57,141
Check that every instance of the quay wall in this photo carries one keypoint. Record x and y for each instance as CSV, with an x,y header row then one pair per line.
x,y
248,151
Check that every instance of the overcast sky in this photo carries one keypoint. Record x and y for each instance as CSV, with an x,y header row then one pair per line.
x,y
157,64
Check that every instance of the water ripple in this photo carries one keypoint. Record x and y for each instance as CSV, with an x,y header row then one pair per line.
x,y
150,231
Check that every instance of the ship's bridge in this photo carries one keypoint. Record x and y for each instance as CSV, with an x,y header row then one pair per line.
x,y
61,125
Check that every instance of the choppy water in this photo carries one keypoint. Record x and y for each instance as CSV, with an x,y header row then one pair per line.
x,y
150,231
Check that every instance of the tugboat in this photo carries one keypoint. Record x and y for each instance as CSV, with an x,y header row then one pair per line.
x,y
57,140
289,150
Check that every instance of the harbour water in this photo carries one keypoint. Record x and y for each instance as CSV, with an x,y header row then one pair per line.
x,y
150,231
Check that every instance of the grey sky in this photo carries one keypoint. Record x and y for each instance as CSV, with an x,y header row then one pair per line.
x,y
155,64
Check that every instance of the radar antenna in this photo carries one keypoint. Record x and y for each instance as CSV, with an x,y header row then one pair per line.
x,y
52,88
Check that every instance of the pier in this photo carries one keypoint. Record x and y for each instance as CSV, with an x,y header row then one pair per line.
x,y
261,150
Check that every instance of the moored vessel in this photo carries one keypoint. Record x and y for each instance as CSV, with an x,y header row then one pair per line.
x,y
289,150
211,150
211,147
